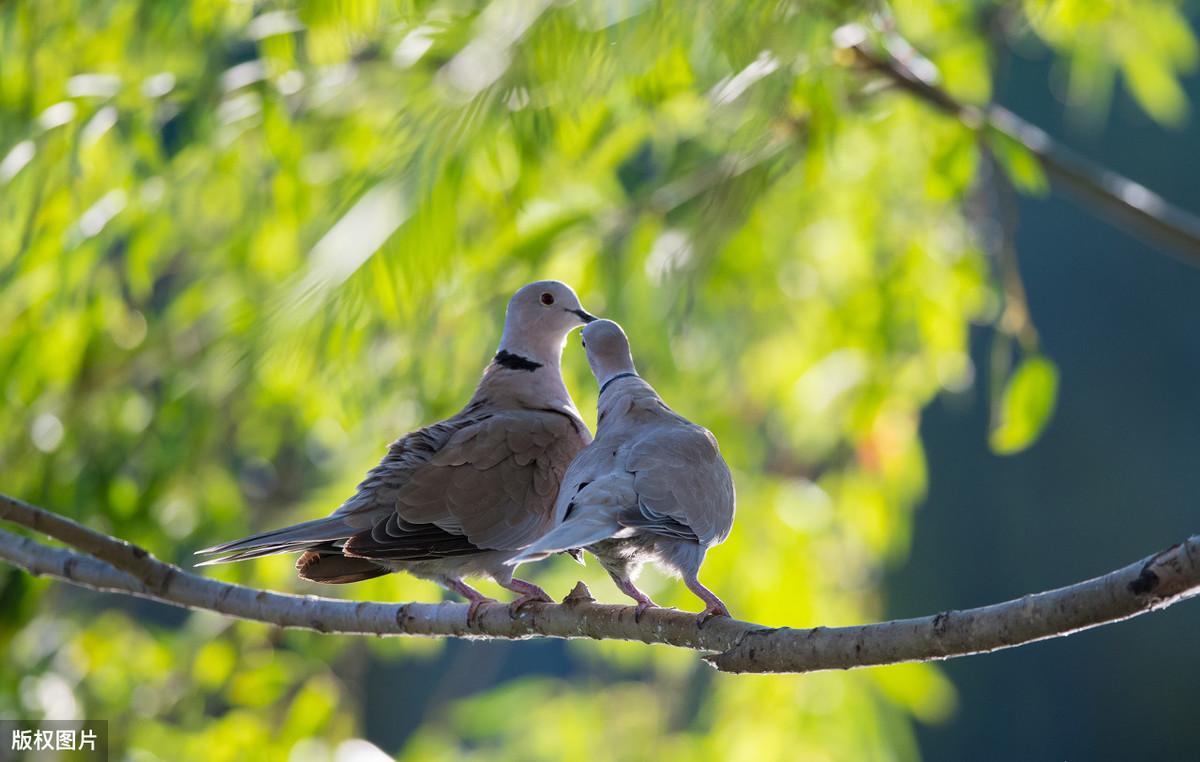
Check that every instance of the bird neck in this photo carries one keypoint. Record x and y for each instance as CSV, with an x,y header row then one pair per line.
x,y
615,376
626,393
527,373
522,352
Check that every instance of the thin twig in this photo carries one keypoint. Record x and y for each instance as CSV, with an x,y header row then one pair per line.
x,y
1111,195
730,645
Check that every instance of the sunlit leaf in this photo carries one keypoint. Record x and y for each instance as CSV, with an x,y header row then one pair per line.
x,y
1019,163
1025,406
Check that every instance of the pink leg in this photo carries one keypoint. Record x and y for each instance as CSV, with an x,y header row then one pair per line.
x,y
643,601
476,598
713,604
529,594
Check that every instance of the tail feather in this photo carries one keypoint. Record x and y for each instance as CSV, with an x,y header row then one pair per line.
x,y
246,555
576,533
285,540
336,569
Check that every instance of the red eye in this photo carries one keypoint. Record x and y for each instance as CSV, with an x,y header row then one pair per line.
x,y
547,299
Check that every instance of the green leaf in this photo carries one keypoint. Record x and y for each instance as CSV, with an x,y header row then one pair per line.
x,y
1026,405
1022,167
1156,89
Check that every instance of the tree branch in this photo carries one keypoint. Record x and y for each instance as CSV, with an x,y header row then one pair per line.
x,y
731,646
119,554
1139,209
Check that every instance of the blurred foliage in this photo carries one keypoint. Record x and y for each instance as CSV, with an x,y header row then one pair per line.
x,y
1025,405
244,245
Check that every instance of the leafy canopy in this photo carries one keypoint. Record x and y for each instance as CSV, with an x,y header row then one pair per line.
x,y
244,245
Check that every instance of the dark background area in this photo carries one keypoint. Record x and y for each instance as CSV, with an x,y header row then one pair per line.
x,y
1114,477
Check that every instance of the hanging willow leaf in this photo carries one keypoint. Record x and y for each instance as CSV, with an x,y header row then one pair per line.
x,y
1026,405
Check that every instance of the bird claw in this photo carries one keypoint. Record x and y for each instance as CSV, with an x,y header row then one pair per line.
x,y
514,608
641,608
473,609
713,610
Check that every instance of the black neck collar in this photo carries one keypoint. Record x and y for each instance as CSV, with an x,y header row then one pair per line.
x,y
506,359
608,383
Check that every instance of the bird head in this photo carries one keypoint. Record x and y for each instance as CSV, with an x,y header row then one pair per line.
x,y
607,350
539,317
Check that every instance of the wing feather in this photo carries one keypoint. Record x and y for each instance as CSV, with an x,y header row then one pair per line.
x,y
683,484
489,480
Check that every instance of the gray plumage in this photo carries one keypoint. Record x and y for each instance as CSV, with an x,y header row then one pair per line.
x,y
460,497
652,486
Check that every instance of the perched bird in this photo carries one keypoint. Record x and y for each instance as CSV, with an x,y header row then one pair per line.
x,y
651,487
460,497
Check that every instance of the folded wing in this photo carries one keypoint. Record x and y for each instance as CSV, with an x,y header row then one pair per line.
x,y
490,486
683,486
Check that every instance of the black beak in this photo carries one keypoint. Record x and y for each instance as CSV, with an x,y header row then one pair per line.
x,y
584,316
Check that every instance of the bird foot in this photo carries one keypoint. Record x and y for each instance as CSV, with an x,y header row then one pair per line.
x,y
714,609
533,596
626,586
641,608
476,598
473,609
530,593
712,604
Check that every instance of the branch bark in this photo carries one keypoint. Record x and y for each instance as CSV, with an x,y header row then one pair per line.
x,y
729,645
1110,194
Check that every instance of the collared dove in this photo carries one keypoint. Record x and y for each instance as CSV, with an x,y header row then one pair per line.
x,y
651,487
462,496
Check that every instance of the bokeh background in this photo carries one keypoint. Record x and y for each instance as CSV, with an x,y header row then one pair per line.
x,y
244,245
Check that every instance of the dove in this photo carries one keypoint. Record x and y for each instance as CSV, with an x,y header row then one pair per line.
x,y
652,486
460,497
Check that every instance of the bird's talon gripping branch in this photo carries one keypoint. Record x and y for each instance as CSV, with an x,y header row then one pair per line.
x,y
475,597
641,609
714,606
709,613
514,608
473,609
530,593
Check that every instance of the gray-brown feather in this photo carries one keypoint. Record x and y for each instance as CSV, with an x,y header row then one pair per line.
x,y
490,478
660,478
459,495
